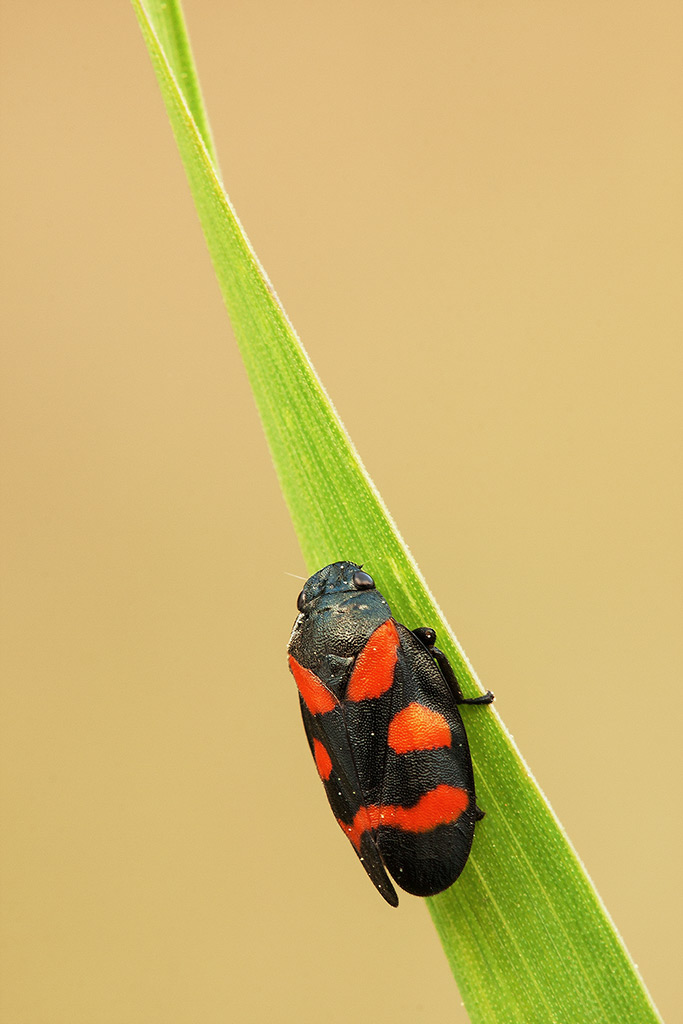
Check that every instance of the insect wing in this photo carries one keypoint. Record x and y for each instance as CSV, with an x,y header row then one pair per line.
x,y
328,738
427,808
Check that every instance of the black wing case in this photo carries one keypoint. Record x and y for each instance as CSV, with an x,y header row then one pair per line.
x,y
328,737
429,811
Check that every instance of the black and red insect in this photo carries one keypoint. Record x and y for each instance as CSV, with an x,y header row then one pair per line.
x,y
380,709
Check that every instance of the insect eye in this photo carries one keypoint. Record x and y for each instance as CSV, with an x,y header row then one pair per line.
x,y
301,601
362,581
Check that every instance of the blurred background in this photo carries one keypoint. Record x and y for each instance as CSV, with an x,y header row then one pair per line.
x,y
511,321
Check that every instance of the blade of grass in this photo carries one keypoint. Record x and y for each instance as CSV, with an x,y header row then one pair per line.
x,y
524,930
169,25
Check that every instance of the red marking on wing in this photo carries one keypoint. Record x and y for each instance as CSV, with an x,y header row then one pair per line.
x,y
362,822
418,728
315,694
440,806
322,760
373,672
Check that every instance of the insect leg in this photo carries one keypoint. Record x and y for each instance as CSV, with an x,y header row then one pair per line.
x,y
452,680
428,637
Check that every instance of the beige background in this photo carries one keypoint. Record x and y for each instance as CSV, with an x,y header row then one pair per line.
x,y
512,322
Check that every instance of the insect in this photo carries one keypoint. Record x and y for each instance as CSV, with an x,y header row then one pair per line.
x,y
380,709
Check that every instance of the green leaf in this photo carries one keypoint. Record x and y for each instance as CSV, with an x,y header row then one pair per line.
x,y
524,930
